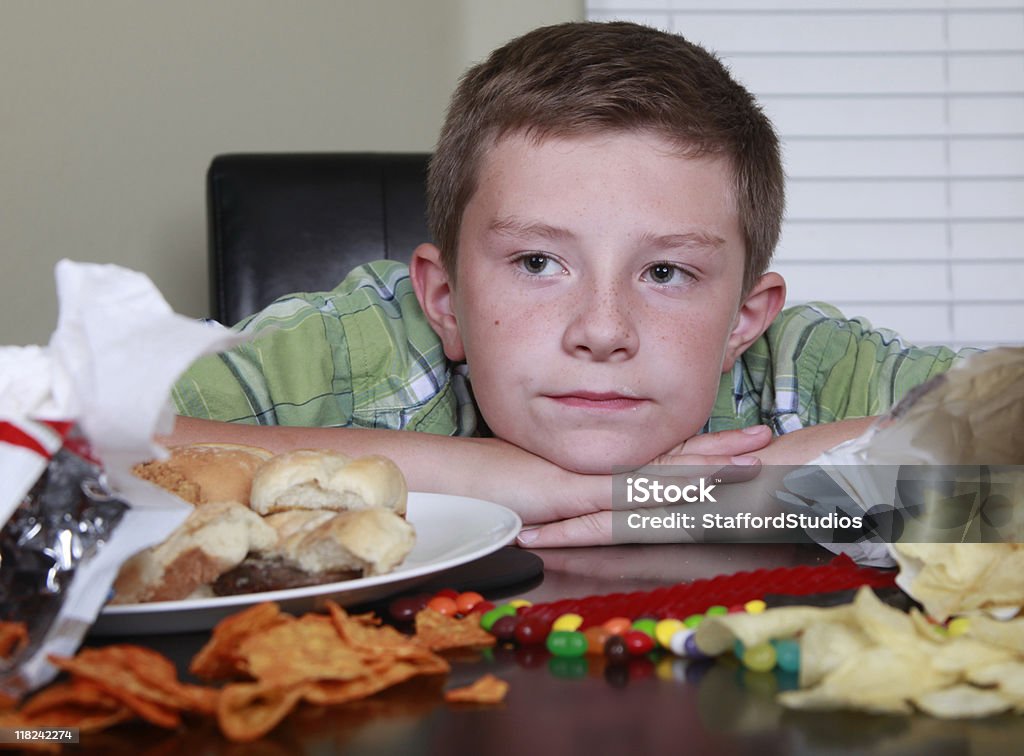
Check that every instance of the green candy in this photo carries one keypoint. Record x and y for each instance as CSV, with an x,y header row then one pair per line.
x,y
716,611
490,617
646,626
567,643
693,620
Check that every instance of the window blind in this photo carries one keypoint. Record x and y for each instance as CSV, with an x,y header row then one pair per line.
x,y
902,124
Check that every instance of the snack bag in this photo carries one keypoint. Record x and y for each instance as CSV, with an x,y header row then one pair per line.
x,y
75,416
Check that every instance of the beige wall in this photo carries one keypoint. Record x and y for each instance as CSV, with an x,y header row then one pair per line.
x,y
111,110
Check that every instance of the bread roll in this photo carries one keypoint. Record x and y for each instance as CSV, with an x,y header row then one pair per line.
x,y
374,541
315,479
207,473
213,539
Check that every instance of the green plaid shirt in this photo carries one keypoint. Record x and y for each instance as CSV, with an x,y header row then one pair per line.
x,y
364,356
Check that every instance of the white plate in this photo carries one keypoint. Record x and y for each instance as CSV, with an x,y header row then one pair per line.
x,y
450,530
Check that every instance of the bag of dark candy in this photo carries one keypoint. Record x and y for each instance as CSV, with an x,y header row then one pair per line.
x,y
75,417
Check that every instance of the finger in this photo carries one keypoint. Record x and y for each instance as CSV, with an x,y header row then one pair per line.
x,y
730,442
593,529
708,465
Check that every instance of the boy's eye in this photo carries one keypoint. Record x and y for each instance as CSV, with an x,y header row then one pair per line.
x,y
538,264
666,273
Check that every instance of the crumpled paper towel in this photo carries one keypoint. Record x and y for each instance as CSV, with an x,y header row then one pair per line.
x,y
109,367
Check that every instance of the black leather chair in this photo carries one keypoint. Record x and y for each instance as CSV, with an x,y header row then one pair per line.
x,y
288,222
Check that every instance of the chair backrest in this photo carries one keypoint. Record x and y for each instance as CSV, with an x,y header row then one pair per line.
x,y
285,222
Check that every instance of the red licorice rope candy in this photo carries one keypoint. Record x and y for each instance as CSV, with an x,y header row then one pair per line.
x,y
683,599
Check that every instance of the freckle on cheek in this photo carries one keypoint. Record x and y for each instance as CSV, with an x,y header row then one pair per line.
x,y
497,322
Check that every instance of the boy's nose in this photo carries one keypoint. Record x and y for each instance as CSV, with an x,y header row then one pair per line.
x,y
602,327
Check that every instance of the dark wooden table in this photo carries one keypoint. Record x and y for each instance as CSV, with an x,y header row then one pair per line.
x,y
584,706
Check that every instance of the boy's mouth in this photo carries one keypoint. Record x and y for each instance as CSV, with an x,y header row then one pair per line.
x,y
592,400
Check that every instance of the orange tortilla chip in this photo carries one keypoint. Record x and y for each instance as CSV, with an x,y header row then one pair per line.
x,y
438,632
216,660
487,690
248,711
305,649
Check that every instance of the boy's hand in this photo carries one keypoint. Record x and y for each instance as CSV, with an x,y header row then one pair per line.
x,y
727,454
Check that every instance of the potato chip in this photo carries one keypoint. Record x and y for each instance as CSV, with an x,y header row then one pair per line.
x,y
438,632
963,654
1008,634
715,635
216,660
305,649
1008,677
883,624
824,646
248,711
331,692
962,702
487,690
13,636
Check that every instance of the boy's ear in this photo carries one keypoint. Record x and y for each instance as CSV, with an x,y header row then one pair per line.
x,y
434,291
759,309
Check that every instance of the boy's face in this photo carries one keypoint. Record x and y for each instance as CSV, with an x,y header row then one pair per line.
x,y
598,296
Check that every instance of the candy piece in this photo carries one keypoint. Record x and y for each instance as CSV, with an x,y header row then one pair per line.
x,y
466,601
738,649
716,611
638,642
665,629
567,643
615,650
677,643
958,626
618,625
532,631
645,625
504,628
737,608
787,655
447,593
489,618
760,657
567,623
597,636
520,602
755,607
693,620
691,648
444,605
405,609
483,607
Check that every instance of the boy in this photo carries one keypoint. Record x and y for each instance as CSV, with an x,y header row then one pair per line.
x,y
605,201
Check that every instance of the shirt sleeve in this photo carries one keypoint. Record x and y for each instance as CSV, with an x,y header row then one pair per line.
x,y
815,366
361,355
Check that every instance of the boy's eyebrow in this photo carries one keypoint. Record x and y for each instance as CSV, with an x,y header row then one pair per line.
x,y
517,227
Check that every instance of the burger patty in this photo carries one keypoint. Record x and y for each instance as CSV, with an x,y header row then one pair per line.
x,y
257,574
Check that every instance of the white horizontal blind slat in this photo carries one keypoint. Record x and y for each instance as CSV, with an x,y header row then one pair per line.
x,y
903,130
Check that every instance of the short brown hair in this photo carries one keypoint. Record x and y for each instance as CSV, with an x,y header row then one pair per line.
x,y
586,77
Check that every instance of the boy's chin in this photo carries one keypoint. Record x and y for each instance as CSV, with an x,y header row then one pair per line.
x,y
598,460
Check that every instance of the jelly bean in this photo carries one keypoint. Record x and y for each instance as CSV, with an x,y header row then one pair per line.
x,y
532,631
504,628
482,607
405,609
447,593
677,643
645,625
736,609
567,643
615,650
665,629
716,611
489,618
443,604
787,655
755,607
467,600
738,649
567,623
693,620
638,642
691,648
760,657
517,603
596,638
570,668
618,625
958,626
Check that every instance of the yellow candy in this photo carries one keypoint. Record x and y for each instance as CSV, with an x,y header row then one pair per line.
x,y
665,629
567,623
520,602
958,626
755,607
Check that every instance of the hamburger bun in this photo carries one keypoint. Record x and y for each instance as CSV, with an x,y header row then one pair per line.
x,y
207,473
213,539
320,479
